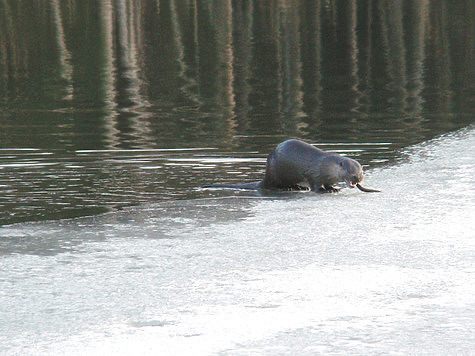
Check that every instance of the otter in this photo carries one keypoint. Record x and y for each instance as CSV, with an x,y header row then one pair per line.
x,y
297,165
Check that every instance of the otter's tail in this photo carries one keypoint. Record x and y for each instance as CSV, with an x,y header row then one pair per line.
x,y
247,186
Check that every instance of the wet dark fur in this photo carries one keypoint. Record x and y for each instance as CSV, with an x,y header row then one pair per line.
x,y
294,164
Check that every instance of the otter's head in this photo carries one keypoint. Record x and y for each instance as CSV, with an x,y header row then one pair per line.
x,y
350,171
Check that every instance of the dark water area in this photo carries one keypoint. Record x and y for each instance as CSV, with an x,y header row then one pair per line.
x,y
106,104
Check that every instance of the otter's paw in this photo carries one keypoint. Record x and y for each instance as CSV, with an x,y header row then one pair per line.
x,y
328,190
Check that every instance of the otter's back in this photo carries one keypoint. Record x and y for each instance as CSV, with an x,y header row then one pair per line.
x,y
290,162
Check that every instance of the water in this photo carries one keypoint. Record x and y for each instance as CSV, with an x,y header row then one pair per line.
x,y
298,273
114,113
129,102
41,185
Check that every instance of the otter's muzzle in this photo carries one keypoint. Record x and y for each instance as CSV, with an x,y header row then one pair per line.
x,y
353,182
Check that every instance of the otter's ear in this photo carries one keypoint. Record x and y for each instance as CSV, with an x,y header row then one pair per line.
x,y
341,163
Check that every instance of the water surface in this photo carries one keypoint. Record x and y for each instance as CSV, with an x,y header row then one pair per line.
x,y
109,104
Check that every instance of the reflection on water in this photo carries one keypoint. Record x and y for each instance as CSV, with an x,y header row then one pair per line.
x,y
170,72
238,76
